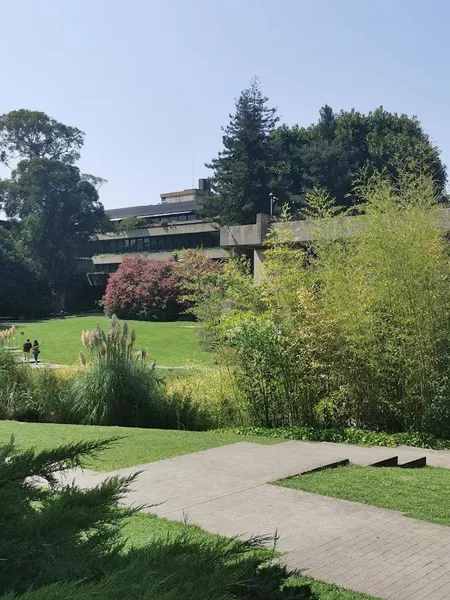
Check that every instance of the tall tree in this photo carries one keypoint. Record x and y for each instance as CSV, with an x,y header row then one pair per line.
x,y
33,134
54,207
241,172
58,210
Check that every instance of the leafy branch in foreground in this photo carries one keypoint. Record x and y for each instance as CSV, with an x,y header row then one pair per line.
x,y
59,532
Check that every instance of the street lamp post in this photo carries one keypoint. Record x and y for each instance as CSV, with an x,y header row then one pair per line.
x,y
272,200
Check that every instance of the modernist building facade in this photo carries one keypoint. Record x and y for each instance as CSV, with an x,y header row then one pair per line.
x,y
172,225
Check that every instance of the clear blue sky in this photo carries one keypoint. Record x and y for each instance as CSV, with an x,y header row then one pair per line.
x,y
152,81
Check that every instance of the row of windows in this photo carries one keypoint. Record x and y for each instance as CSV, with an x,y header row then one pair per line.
x,y
160,243
110,268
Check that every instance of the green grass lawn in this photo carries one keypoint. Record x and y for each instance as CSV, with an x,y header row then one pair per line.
x,y
418,493
138,446
164,560
142,530
171,344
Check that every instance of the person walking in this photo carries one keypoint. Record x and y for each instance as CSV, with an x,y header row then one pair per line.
x,y
36,351
26,351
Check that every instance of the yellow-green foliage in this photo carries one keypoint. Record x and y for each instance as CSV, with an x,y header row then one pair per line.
x,y
207,398
354,329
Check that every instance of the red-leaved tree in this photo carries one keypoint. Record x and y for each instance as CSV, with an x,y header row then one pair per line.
x,y
200,275
144,289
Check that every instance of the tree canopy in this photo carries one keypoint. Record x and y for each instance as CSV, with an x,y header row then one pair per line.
x,y
33,134
53,207
260,158
330,153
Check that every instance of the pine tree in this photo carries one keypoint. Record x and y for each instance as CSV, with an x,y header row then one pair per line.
x,y
241,181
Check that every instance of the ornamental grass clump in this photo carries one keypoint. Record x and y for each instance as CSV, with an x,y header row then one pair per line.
x,y
117,387
7,336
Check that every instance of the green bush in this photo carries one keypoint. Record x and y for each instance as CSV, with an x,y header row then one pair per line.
x,y
13,387
184,567
48,396
349,435
206,398
28,394
354,330
59,532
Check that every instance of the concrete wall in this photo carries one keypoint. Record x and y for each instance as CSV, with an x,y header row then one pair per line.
x,y
174,229
181,198
245,235
111,259
307,231
258,261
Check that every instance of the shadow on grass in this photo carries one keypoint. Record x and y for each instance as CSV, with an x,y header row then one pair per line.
x,y
187,566
60,542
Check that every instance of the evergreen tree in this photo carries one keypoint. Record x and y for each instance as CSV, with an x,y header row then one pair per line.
x,y
241,180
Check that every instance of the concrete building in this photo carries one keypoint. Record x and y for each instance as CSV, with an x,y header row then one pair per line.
x,y
251,238
162,228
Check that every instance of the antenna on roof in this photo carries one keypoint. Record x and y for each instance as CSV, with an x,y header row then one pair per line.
x,y
193,171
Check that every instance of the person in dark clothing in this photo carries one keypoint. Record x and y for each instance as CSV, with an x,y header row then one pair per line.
x,y
26,351
36,351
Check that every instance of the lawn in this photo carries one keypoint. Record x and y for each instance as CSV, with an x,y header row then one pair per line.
x,y
138,446
164,560
171,344
418,493
142,530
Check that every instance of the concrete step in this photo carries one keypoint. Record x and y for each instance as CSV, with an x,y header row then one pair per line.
x,y
364,457
414,463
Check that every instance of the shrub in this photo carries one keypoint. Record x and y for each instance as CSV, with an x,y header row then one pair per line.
x,y
356,330
207,398
59,533
8,365
13,388
146,289
118,387
348,435
28,394
48,395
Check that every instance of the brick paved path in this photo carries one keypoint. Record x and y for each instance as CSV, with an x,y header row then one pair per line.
x,y
227,491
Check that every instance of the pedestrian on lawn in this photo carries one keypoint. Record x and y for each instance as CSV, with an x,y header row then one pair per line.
x,y
26,351
36,351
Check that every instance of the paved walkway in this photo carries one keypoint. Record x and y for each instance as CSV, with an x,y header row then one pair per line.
x,y
46,365
227,491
